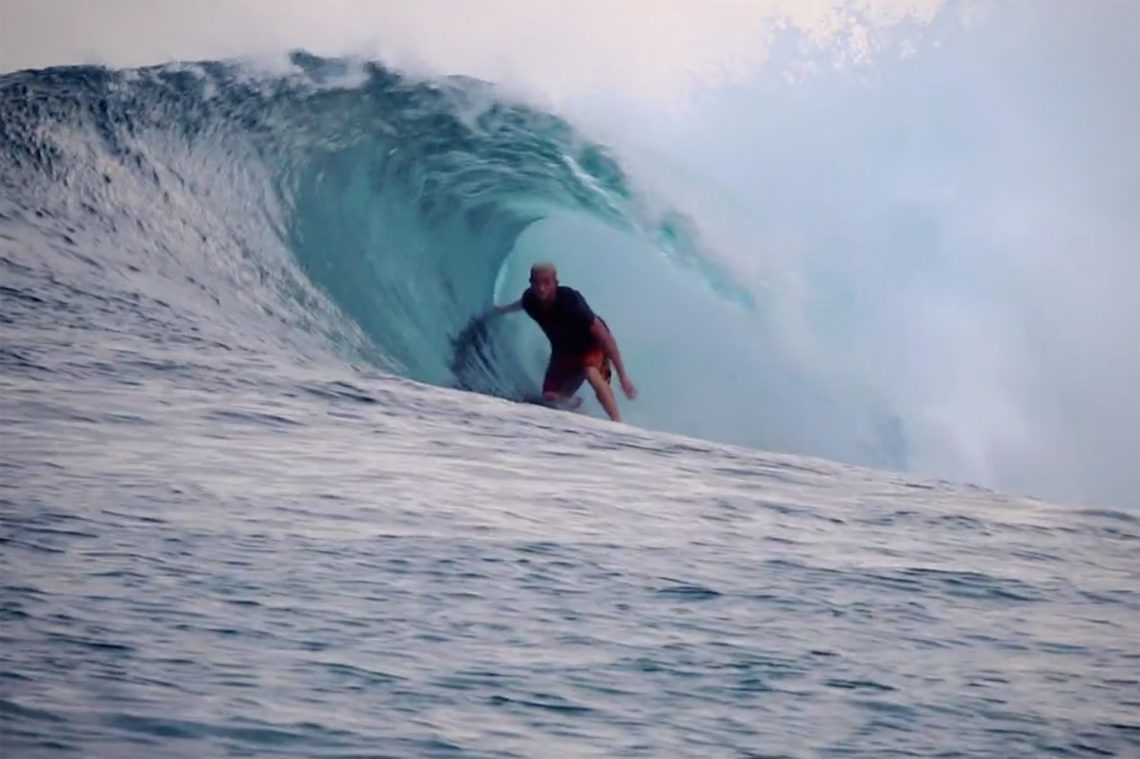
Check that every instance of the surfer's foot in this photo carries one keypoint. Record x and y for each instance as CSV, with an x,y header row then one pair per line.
x,y
570,403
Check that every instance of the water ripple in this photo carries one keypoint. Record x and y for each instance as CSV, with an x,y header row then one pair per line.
x,y
452,575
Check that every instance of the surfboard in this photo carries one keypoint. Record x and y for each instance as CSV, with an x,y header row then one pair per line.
x,y
574,404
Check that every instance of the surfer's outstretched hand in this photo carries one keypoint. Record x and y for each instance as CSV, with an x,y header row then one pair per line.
x,y
628,388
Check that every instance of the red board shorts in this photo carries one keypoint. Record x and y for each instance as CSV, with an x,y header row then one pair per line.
x,y
566,373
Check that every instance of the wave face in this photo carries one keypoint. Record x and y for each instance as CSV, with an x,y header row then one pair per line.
x,y
390,204
344,207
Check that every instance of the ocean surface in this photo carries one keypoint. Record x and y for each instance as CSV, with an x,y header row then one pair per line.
x,y
265,492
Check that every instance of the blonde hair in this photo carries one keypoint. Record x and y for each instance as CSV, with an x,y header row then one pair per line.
x,y
544,266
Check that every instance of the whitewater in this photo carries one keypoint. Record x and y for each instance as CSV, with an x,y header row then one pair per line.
x,y
269,488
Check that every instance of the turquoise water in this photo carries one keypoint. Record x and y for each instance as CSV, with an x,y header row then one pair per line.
x,y
257,500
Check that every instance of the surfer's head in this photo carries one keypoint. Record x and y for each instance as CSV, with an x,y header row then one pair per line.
x,y
544,281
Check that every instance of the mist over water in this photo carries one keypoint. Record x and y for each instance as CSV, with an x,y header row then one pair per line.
x,y
951,231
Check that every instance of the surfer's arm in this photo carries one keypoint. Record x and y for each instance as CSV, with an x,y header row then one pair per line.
x,y
507,308
606,338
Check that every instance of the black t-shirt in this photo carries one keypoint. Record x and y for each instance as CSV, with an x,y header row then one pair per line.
x,y
566,321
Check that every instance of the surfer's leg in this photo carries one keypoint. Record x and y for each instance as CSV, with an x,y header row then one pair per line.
x,y
562,380
551,380
600,381
564,393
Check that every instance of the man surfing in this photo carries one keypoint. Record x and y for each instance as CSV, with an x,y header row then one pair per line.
x,y
581,345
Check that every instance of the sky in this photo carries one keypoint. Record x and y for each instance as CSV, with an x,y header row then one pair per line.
x,y
642,48
953,188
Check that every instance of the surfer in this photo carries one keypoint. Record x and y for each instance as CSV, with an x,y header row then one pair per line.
x,y
582,347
